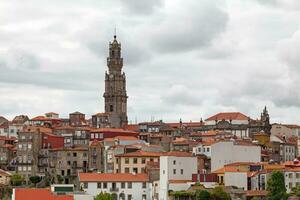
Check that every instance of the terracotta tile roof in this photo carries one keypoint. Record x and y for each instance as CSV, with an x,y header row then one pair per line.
x,y
40,118
229,169
95,143
7,138
228,116
296,169
51,113
131,127
36,193
112,177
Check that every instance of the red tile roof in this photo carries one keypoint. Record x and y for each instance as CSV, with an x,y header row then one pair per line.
x,y
112,177
228,116
51,113
131,127
35,193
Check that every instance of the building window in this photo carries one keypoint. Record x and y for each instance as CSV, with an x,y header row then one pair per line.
x,y
207,149
98,185
298,175
290,175
129,185
126,160
151,159
135,160
85,185
144,185
122,185
129,197
75,154
164,171
104,185
111,108
135,170
126,170
174,171
181,171
143,160
144,197
174,162
290,185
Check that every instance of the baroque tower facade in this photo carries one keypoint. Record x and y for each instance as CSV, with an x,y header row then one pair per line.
x,y
115,95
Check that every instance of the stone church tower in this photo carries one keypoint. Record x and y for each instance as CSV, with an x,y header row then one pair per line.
x,y
115,94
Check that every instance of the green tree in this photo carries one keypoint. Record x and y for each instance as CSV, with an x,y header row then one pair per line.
x,y
276,187
16,180
219,194
35,179
203,195
255,198
103,196
296,191
60,179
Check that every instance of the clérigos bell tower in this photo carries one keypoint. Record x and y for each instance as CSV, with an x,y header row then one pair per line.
x,y
115,94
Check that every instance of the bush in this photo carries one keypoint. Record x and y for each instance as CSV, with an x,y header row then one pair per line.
x,y
16,180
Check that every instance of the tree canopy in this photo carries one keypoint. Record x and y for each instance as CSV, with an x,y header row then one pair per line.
x,y
276,186
104,196
16,179
203,195
219,194
35,179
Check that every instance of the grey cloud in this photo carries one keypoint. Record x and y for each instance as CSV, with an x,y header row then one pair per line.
x,y
191,30
284,4
141,7
181,95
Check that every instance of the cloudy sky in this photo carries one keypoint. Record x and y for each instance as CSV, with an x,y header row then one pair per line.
x,y
183,59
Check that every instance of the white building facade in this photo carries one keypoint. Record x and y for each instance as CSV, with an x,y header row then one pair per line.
x,y
227,152
123,186
176,168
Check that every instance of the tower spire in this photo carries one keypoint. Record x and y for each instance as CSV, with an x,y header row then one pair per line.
x,y
115,35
